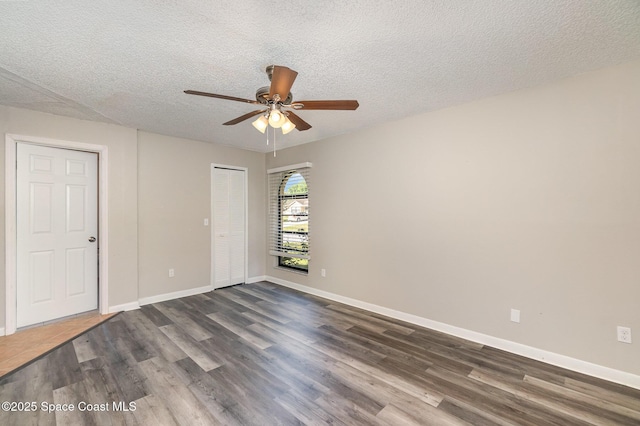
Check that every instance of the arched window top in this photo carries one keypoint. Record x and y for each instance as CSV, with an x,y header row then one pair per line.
x,y
294,184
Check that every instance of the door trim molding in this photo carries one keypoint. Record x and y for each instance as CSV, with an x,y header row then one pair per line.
x,y
11,141
246,218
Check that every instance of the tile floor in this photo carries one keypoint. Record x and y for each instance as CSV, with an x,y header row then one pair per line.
x,y
26,345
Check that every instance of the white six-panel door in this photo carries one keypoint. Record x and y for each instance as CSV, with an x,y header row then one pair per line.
x,y
228,231
57,226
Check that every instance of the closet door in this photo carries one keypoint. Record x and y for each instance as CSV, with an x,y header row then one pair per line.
x,y
236,226
228,231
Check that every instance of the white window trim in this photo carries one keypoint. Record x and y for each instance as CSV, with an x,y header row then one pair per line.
x,y
291,167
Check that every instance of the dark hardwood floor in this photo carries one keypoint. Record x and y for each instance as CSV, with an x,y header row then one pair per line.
x,y
261,354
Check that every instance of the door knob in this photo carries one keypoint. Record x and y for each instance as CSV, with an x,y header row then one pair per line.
x,y
92,239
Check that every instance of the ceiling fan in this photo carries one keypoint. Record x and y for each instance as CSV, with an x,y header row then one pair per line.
x,y
276,103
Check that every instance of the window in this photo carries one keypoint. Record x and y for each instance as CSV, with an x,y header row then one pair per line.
x,y
289,216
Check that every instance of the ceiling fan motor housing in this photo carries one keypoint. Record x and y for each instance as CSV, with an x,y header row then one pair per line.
x,y
262,96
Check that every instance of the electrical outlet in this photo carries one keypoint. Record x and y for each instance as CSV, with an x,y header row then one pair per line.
x,y
323,272
624,334
206,222
172,273
515,315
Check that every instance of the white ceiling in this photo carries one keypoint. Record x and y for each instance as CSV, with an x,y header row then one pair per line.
x,y
128,62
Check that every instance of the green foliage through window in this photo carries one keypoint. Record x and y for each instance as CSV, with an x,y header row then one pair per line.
x,y
293,206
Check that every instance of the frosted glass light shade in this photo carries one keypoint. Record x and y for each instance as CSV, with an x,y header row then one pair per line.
x,y
276,119
261,124
287,126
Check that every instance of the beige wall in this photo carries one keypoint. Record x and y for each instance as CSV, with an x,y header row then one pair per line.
x,y
122,147
529,200
174,187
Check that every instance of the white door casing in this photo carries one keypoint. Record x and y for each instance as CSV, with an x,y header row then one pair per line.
x,y
228,233
57,232
11,141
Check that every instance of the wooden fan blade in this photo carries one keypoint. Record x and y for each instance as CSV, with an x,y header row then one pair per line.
x,y
244,117
213,95
299,122
342,105
281,81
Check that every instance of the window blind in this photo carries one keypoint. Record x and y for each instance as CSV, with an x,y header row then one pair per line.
x,y
289,223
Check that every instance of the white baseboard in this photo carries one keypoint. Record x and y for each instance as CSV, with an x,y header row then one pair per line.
x,y
170,296
124,307
563,361
2,331
174,295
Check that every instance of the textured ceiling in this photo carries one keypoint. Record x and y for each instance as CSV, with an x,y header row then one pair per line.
x,y
128,62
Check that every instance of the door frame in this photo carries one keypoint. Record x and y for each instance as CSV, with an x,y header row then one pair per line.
x,y
214,166
11,141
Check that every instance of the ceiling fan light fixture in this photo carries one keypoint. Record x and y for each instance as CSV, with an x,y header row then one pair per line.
x,y
276,111
261,124
276,119
287,126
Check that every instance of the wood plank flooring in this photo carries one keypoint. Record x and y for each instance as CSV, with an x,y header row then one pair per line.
x,y
261,354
